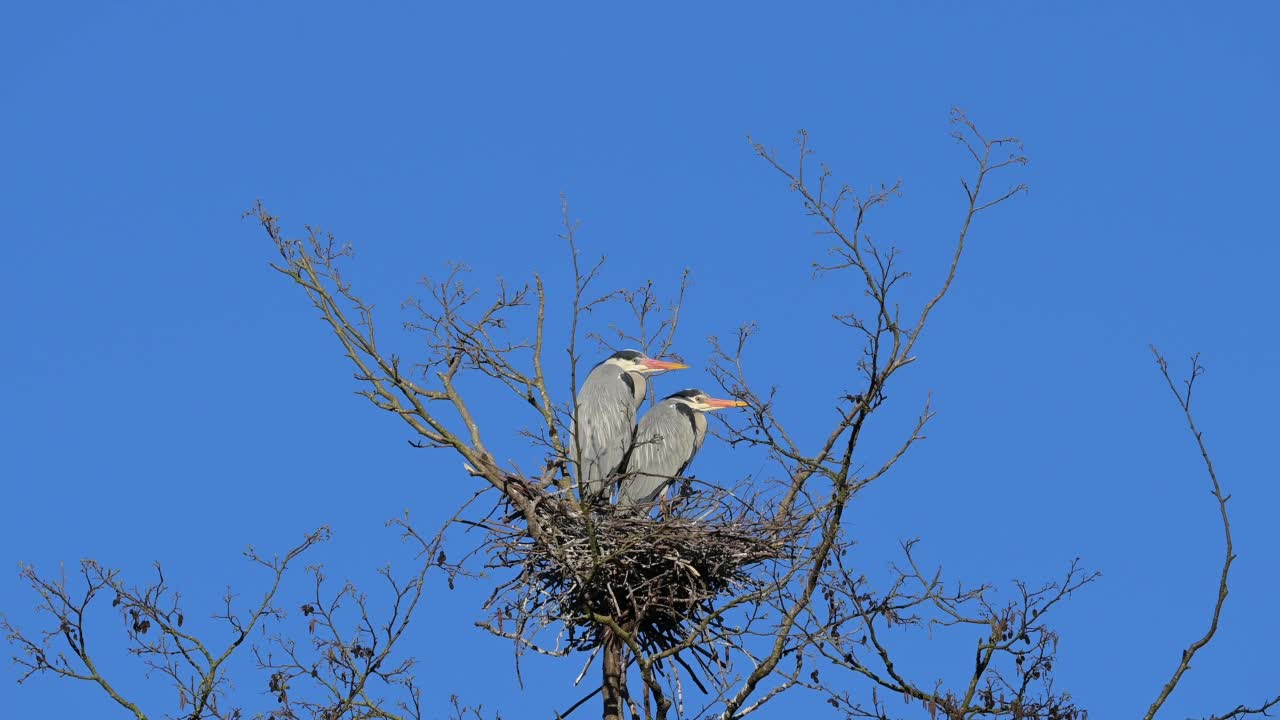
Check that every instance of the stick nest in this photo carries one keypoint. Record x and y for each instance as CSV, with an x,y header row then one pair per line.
x,y
654,578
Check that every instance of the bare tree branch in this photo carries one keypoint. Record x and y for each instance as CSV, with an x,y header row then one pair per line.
x,y
1183,397
195,667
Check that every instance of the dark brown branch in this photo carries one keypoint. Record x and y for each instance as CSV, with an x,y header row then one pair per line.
x,y
1184,401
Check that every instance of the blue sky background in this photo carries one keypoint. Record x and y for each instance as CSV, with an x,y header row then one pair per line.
x,y
168,397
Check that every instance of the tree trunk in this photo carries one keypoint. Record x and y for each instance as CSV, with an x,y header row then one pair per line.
x,y
613,678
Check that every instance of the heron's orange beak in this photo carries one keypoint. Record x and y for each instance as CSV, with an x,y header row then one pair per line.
x,y
662,364
718,403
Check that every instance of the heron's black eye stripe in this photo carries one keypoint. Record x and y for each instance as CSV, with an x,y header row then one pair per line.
x,y
690,415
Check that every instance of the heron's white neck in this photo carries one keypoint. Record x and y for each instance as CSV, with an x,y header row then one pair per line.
x,y
641,387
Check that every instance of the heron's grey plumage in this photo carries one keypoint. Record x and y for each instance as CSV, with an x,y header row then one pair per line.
x,y
669,435
606,412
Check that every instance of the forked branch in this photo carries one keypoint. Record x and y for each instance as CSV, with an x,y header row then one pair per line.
x,y
1183,394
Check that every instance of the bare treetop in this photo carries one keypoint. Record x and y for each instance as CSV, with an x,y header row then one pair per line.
x,y
736,593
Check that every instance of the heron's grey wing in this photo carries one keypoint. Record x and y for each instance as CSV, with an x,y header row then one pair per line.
x,y
665,443
607,417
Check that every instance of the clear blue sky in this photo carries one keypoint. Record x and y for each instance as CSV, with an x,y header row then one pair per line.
x,y
168,397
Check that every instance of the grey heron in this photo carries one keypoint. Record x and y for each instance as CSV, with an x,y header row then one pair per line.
x,y
606,414
669,435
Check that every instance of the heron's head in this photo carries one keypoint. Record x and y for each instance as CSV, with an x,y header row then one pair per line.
x,y
702,402
637,362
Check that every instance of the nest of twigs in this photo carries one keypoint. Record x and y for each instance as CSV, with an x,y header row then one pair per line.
x,y
655,578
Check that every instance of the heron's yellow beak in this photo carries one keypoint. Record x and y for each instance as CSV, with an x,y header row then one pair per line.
x,y
718,403
662,364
